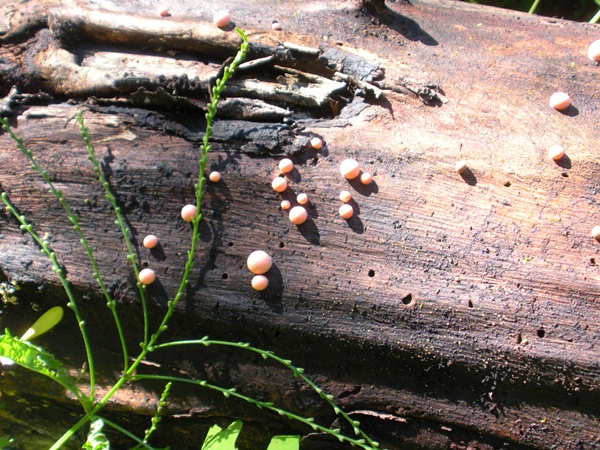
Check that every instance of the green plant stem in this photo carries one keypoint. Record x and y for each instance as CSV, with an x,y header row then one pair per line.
x,y
204,149
534,6
297,371
233,393
75,221
219,86
72,304
100,404
596,17
120,222
141,443
156,419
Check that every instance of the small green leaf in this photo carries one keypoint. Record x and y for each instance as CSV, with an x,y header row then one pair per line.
x,y
284,443
36,359
96,439
46,322
222,439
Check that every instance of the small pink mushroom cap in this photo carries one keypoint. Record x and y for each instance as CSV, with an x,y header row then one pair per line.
x,y
260,282
350,169
214,177
345,196
560,100
596,232
346,211
147,276
556,152
150,241
222,19
279,184
286,165
302,199
276,26
285,204
594,51
316,143
298,215
188,212
366,178
461,167
163,12
259,262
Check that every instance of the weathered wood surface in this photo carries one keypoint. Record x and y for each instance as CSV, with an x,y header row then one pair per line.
x,y
451,312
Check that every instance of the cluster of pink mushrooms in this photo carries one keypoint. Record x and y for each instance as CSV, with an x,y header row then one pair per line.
x,y
259,262
349,168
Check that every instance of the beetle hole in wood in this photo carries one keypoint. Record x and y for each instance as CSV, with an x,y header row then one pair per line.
x,y
225,276
541,333
281,245
470,304
371,273
230,244
407,299
145,265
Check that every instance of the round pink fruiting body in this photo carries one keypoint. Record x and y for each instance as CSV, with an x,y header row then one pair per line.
x,y
286,165
147,276
276,26
345,196
302,199
366,178
346,211
461,167
214,177
298,215
594,51
349,169
150,241
163,12
188,212
260,282
596,232
279,184
285,204
556,152
222,19
259,262
316,143
560,100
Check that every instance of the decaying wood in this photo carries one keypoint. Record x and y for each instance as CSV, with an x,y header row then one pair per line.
x,y
448,313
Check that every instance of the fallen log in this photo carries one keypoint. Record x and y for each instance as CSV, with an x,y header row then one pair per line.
x,y
449,312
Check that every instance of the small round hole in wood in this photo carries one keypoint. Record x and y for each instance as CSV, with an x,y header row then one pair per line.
x,y
541,333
